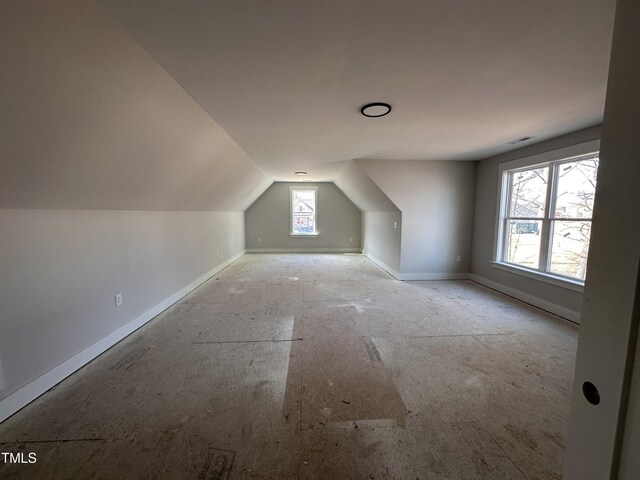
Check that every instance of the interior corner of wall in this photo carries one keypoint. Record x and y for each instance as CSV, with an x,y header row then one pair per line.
x,y
1,377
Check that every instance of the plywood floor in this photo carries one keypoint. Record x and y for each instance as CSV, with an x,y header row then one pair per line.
x,y
314,367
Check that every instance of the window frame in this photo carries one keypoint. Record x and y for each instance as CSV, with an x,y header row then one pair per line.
x,y
296,188
552,159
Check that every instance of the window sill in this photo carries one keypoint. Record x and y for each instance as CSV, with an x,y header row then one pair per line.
x,y
302,235
559,281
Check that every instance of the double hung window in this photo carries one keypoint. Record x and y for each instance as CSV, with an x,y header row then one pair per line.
x,y
545,216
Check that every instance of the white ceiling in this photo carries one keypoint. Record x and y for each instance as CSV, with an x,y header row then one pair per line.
x,y
286,78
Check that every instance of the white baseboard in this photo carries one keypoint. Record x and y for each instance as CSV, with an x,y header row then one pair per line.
x,y
416,276
25,395
433,276
556,309
383,266
304,250
528,298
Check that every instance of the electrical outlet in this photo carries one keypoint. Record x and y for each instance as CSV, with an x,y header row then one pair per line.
x,y
351,239
259,239
217,253
387,252
459,258
395,224
118,300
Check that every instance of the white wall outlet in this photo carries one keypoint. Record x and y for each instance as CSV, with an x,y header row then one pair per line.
x,y
459,258
351,239
387,252
395,224
217,253
118,300
259,239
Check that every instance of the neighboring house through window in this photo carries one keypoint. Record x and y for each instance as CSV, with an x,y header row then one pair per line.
x,y
304,215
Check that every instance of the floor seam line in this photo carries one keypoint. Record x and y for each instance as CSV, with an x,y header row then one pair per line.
x,y
62,440
506,455
462,335
248,341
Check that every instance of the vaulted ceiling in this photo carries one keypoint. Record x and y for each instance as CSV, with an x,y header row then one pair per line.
x,y
286,78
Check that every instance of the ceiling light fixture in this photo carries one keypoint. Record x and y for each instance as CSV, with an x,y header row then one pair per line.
x,y
374,110
520,140
300,173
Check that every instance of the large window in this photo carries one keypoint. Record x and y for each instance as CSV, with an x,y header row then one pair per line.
x,y
545,216
304,214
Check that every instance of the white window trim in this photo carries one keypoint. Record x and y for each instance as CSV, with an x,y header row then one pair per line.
x,y
546,277
315,223
561,154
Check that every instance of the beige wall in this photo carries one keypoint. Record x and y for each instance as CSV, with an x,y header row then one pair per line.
x,y
382,239
112,179
269,219
484,225
62,268
436,201
381,219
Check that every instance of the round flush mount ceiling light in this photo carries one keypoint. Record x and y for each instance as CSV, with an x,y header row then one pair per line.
x,y
377,109
300,173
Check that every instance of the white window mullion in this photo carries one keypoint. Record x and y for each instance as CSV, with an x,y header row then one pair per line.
x,y
545,234
552,214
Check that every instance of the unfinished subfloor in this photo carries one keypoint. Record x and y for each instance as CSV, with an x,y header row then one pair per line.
x,y
314,367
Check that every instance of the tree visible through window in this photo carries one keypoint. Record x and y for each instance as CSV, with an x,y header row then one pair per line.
x,y
303,211
546,216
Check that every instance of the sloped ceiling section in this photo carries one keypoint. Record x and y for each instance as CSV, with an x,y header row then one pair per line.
x,y
362,190
286,78
88,120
